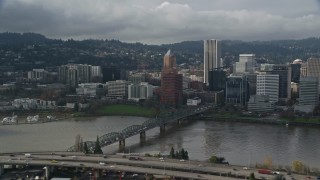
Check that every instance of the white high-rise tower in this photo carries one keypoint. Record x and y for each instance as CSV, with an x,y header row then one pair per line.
x,y
212,57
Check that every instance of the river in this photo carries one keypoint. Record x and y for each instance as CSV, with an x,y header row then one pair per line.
x,y
239,143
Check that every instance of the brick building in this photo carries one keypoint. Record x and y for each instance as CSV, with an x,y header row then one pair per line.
x,y
171,82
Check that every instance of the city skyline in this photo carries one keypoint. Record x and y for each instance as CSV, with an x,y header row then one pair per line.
x,y
158,22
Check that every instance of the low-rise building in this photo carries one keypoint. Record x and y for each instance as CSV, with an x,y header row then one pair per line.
x,y
118,88
140,91
27,104
260,103
88,89
194,101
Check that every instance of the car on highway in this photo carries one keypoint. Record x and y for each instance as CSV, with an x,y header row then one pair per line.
x,y
54,161
135,158
102,163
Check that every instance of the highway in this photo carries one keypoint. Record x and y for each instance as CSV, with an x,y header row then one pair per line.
x,y
148,165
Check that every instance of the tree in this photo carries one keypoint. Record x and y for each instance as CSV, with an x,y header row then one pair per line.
x,y
177,155
97,147
186,155
213,159
172,155
252,177
181,153
85,148
81,144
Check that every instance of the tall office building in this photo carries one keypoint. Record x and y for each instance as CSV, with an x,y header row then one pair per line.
x,y
284,72
303,70
72,77
217,80
140,91
111,73
268,84
237,90
212,58
296,70
68,74
38,75
308,94
171,82
96,74
246,64
84,73
137,78
313,69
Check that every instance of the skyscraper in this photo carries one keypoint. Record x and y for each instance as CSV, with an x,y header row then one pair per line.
x,y
110,73
313,69
246,63
212,57
284,72
237,90
309,91
268,84
171,82
169,63
217,80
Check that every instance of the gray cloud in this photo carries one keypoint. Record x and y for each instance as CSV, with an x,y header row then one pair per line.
x,y
163,22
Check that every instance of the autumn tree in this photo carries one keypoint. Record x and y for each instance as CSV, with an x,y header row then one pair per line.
x,y
297,166
267,162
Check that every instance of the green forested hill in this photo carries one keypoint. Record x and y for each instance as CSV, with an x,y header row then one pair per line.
x,y
29,50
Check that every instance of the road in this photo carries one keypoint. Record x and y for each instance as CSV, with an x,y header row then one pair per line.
x,y
148,165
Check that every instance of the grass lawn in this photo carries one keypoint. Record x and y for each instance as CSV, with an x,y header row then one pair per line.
x,y
126,110
304,120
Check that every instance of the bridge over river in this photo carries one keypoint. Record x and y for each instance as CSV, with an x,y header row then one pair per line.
x,y
141,129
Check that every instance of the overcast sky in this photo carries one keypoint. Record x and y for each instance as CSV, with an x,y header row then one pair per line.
x,y
159,21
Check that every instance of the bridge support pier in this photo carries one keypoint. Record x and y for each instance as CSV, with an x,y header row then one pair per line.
x,y
162,128
122,144
1,169
142,137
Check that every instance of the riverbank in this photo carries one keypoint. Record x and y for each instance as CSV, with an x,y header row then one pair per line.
x,y
43,117
266,120
120,110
